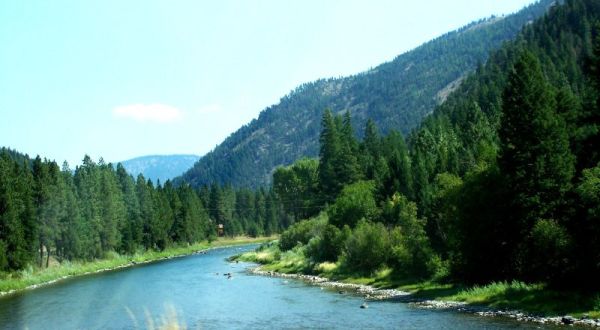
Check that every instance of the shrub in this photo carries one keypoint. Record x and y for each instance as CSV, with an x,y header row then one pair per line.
x,y
329,245
355,202
411,252
301,232
550,245
368,247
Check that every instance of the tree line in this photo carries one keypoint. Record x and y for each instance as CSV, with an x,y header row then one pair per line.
x,y
501,182
85,213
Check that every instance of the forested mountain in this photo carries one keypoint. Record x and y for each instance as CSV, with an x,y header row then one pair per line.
x,y
397,95
160,167
502,182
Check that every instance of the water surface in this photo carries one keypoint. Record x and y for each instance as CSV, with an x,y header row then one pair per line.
x,y
203,299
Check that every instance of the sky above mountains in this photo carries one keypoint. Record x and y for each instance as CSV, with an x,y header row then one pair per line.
x,y
120,79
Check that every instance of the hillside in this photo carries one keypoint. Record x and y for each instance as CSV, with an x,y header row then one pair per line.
x,y
499,186
161,168
396,95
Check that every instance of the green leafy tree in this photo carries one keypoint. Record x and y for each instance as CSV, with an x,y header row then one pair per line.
x,y
355,202
296,186
411,250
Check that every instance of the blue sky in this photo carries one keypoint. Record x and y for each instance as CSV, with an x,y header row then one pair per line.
x,y
122,79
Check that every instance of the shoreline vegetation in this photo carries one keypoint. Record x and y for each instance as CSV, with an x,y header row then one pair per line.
x,y
31,278
517,300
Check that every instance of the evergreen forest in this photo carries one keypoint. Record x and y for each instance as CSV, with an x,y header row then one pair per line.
x,y
87,213
501,182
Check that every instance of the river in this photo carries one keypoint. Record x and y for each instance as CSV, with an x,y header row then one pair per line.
x,y
191,289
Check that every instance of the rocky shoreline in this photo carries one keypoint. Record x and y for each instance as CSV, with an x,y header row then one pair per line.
x,y
369,292
372,293
513,314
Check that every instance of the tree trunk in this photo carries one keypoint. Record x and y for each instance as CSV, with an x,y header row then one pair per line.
x,y
48,258
41,254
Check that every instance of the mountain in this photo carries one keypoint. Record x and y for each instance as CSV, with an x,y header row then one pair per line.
x,y
161,168
396,95
501,182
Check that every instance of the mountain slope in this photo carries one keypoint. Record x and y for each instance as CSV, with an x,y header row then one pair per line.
x,y
161,168
396,95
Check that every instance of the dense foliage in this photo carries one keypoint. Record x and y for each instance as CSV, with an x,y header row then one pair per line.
x,y
396,95
501,182
83,214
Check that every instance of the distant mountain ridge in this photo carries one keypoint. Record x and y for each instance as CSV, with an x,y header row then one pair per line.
x,y
396,95
160,167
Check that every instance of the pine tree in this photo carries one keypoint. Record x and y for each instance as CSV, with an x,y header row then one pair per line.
x,y
15,244
68,242
132,229
329,152
370,149
147,213
112,209
589,122
535,156
87,178
399,172
45,215
346,163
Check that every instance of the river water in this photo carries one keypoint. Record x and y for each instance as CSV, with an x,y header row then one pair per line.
x,y
190,290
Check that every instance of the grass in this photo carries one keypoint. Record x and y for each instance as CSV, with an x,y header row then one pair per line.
x,y
32,276
272,259
532,298
535,299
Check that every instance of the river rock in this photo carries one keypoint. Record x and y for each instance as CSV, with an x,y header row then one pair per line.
x,y
568,319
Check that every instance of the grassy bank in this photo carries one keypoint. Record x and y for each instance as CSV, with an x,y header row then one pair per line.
x,y
32,276
534,299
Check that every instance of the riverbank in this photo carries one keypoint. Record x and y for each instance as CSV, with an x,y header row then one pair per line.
x,y
31,278
517,300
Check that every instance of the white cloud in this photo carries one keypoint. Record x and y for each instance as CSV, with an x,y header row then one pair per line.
x,y
158,113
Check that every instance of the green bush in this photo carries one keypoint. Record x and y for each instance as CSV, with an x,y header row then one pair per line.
x,y
301,232
549,249
329,245
355,202
411,252
368,247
